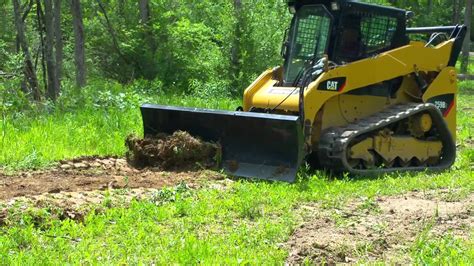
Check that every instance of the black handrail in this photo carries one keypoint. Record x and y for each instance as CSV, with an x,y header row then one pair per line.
x,y
446,29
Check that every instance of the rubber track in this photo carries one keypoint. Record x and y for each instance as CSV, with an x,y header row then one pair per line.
x,y
335,142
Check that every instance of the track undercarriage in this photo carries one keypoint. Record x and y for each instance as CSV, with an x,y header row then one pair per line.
x,y
408,137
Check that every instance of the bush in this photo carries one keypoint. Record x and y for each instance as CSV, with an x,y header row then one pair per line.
x,y
212,89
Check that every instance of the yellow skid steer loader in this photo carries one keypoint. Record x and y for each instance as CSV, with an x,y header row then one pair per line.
x,y
358,92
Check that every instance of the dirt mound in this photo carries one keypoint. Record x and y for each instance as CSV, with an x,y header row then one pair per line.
x,y
368,231
172,152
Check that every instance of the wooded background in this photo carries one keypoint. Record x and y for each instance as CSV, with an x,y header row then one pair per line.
x,y
207,47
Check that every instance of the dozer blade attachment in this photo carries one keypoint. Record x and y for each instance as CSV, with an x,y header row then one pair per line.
x,y
254,145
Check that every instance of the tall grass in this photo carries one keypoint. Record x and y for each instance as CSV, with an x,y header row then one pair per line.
x,y
89,125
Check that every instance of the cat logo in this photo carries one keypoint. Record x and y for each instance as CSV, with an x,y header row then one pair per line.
x,y
332,85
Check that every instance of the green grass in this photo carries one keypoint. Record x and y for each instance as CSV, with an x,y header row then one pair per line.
x,y
470,67
446,250
36,140
245,223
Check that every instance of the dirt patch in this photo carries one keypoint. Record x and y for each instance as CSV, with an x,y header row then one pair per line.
x,y
172,152
379,229
68,205
88,174
77,205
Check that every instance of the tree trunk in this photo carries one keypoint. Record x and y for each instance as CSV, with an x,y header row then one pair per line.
x,y
49,51
467,41
40,22
144,6
79,49
145,16
456,11
430,6
235,52
58,34
29,70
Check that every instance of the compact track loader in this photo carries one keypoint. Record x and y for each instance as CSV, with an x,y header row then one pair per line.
x,y
358,92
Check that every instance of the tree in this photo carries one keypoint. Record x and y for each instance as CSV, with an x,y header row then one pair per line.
x,y
29,70
58,40
40,26
144,7
457,4
53,81
79,47
236,45
467,41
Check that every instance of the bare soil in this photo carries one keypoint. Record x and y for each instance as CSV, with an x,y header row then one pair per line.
x,y
378,230
89,174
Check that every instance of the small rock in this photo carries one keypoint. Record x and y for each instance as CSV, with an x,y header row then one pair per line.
x,y
80,165
95,165
54,191
108,162
66,166
119,182
121,162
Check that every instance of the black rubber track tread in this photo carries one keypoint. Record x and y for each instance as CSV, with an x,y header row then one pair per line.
x,y
335,142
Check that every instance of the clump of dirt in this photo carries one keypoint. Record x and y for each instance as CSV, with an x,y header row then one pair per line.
x,y
381,229
172,152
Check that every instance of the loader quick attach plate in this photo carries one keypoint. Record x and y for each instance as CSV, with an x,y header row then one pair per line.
x,y
254,145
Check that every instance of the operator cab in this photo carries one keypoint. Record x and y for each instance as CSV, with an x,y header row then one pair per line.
x,y
344,30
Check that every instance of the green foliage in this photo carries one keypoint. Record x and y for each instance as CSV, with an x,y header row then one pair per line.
x,y
194,56
188,46
263,27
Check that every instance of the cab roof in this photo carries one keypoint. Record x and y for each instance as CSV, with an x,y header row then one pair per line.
x,y
348,3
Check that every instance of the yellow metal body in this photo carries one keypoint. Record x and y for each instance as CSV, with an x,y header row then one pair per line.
x,y
324,109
